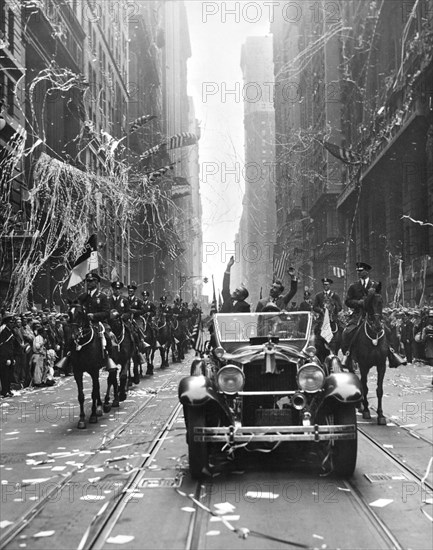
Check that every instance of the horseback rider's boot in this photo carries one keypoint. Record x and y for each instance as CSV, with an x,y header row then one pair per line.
x,y
394,359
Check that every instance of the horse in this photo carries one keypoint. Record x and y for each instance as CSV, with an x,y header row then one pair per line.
x,y
147,343
86,355
164,337
180,338
370,348
123,351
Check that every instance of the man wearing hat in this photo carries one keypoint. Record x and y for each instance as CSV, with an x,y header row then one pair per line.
x,y
329,299
356,293
97,306
149,307
233,302
276,295
9,346
119,302
135,304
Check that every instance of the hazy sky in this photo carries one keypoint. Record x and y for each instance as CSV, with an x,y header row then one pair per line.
x,y
213,71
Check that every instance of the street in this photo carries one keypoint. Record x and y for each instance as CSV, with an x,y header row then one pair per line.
x,y
125,480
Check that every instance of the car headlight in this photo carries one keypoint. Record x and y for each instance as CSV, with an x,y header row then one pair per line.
x,y
230,379
310,377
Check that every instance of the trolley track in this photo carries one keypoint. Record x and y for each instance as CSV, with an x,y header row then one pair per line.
x,y
103,523
13,531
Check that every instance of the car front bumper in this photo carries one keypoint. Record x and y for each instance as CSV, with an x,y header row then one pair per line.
x,y
250,434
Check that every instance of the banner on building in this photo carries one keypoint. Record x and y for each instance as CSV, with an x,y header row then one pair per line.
x,y
345,155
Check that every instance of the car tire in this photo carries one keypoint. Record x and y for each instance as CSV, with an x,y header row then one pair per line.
x,y
198,453
345,451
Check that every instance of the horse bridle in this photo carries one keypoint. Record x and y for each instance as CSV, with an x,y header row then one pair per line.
x,y
379,335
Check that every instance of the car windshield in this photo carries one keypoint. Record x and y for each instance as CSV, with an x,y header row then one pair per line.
x,y
240,327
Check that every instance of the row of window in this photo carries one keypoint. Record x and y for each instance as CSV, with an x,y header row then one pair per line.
x,y
7,26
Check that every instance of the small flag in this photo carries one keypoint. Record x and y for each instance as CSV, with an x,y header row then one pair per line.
x,y
326,330
338,272
213,307
140,121
181,140
198,336
280,265
85,263
345,155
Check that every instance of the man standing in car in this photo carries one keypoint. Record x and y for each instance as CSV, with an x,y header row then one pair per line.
x,y
233,302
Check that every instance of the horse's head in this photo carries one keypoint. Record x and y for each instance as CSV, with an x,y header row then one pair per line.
x,y
77,314
374,305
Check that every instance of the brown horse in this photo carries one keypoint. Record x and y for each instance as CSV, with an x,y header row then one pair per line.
x,y
84,343
370,348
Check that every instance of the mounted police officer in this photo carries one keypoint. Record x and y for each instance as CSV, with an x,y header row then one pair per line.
x,y
136,309
356,295
149,307
355,300
98,308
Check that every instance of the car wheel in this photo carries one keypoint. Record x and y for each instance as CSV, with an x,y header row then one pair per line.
x,y
198,453
345,451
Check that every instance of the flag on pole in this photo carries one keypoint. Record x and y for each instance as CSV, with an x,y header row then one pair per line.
x,y
213,307
326,330
85,263
140,121
338,272
220,301
198,336
280,265
345,155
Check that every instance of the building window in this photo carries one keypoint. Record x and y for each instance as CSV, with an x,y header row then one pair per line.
x,y
11,31
10,97
2,19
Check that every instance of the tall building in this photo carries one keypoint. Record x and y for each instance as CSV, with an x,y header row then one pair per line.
x,y
258,218
364,89
309,180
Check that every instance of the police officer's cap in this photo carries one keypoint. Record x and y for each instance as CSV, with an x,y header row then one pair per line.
x,y
132,286
163,298
145,293
117,285
327,280
361,266
93,277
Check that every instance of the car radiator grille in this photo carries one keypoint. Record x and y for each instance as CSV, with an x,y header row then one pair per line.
x,y
257,380
257,410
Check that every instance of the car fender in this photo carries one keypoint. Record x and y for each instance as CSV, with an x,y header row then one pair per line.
x,y
343,386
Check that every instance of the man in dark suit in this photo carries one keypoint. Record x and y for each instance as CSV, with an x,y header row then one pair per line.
x,y
276,295
9,346
233,302
327,298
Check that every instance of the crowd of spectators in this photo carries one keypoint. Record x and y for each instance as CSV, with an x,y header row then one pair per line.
x,y
32,343
30,346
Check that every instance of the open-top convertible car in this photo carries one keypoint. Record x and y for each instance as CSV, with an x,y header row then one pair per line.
x,y
262,384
